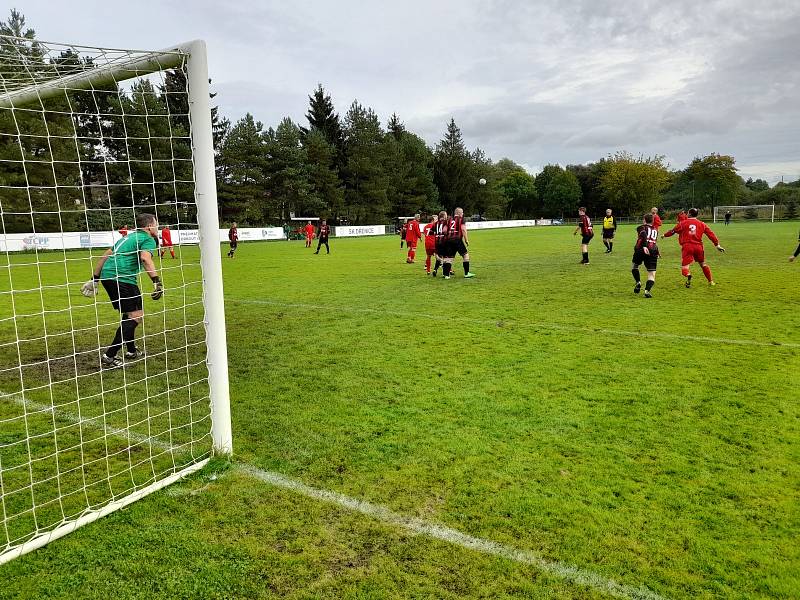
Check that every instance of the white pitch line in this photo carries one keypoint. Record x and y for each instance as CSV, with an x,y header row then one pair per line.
x,y
531,324
383,514
566,572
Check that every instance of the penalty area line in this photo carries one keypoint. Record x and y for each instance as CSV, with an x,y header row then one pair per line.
x,y
529,324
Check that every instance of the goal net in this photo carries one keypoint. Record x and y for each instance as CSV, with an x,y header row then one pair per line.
x,y
90,139
753,212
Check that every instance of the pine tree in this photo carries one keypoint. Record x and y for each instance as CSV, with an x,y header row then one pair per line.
x,y
453,172
365,178
240,171
321,116
287,175
326,194
395,127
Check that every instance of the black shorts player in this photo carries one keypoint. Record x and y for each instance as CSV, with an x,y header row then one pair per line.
x,y
650,261
125,297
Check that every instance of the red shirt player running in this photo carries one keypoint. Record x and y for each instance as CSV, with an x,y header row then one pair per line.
x,y
413,235
166,242
690,235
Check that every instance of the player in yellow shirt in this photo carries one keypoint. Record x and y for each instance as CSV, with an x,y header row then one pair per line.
x,y
609,228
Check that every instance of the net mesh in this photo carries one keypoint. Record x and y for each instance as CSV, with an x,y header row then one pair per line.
x,y
76,166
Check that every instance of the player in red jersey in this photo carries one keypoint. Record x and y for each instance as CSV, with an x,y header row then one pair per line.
x,y
656,219
645,251
233,239
322,236
309,231
430,242
690,235
587,233
440,237
166,242
413,235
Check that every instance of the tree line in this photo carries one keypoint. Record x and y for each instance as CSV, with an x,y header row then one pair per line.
x,y
81,170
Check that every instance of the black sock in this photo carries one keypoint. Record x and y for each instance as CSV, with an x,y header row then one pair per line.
x,y
610,246
585,257
128,333
466,267
605,243
446,269
636,277
116,343
437,265
649,285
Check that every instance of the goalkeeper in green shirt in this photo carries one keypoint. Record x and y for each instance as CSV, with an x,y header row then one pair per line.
x,y
118,270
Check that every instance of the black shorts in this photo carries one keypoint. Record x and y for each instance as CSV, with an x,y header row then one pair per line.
x,y
456,246
608,234
441,248
586,237
233,245
125,297
650,261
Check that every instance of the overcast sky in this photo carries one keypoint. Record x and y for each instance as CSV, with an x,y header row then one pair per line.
x,y
539,82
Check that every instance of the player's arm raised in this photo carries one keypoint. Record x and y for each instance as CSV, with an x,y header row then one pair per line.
x,y
150,268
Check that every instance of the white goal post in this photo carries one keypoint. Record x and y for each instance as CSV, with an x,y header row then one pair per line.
x,y
91,138
752,211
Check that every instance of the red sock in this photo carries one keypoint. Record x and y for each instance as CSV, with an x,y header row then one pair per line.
x,y
412,254
428,263
707,272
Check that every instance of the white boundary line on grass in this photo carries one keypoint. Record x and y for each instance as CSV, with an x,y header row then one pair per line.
x,y
530,324
383,514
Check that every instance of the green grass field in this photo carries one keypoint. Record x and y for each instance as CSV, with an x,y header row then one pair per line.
x,y
542,408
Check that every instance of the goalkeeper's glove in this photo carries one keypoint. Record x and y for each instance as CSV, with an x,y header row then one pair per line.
x,y
158,289
720,248
89,289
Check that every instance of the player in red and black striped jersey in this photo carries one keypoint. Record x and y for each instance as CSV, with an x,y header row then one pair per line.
x,y
645,251
233,239
587,233
322,236
456,243
440,235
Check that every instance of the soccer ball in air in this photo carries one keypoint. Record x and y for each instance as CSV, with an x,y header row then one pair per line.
x,y
482,181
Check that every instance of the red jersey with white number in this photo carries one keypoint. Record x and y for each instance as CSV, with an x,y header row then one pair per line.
x,y
413,232
694,230
586,225
430,235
